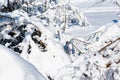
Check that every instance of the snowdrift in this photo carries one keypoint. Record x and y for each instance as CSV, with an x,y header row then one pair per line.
x,y
13,67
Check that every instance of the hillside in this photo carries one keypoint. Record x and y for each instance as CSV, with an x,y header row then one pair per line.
x,y
60,40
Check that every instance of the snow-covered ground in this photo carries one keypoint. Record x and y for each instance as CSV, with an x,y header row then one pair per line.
x,y
74,40
101,18
13,67
98,14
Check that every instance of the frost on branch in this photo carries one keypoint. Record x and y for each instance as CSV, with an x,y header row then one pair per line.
x,y
14,35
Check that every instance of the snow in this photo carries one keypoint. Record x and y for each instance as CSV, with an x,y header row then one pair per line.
x,y
96,18
109,32
49,63
13,67
95,13
87,27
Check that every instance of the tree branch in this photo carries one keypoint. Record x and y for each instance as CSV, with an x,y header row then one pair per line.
x,y
103,48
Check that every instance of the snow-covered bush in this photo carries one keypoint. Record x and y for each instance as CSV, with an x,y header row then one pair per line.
x,y
13,35
10,6
37,30
99,59
65,15
23,34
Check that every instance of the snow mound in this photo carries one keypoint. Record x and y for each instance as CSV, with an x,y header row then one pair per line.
x,y
13,67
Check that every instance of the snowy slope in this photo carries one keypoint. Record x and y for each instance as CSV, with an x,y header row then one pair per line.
x,y
50,62
98,14
40,35
13,67
53,55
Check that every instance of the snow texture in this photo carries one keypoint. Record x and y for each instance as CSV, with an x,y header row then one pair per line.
x,y
63,39
13,67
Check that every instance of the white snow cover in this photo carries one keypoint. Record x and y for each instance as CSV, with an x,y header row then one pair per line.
x,y
105,35
95,64
13,67
50,62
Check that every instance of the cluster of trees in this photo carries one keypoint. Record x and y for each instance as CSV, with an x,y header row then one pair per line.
x,y
10,6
